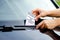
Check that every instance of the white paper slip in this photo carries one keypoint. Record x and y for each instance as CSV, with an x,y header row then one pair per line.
x,y
30,19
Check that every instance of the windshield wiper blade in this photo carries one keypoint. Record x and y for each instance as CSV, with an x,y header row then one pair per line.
x,y
22,27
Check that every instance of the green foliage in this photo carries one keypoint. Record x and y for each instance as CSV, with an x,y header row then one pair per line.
x,y
58,2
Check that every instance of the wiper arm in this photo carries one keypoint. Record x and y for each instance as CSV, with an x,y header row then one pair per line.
x,y
22,27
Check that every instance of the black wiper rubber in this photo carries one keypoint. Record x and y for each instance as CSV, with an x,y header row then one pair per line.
x,y
22,27
25,26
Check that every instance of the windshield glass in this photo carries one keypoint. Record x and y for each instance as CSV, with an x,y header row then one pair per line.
x,y
18,9
11,10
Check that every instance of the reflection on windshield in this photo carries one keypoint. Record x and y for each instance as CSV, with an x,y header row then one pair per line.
x,y
18,9
12,10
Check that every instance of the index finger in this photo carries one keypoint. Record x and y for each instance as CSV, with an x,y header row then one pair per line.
x,y
36,12
40,24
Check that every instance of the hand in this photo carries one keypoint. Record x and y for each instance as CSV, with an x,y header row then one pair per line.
x,y
49,24
39,13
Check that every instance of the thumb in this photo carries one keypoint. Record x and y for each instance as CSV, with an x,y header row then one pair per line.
x,y
37,17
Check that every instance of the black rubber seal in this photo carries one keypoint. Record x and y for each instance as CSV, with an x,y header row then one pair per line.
x,y
54,4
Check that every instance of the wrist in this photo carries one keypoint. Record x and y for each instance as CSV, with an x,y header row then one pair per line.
x,y
48,13
52,13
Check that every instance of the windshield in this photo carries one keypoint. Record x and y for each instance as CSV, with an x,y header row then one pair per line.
x,y
18,9
12,10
